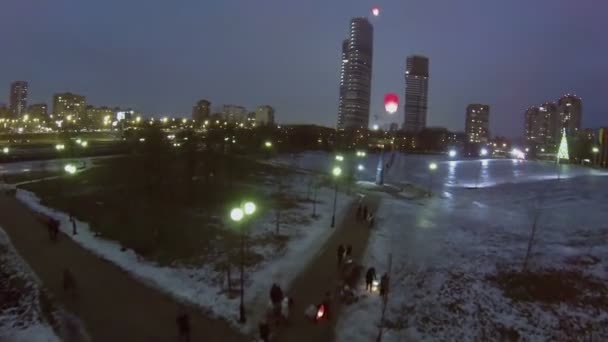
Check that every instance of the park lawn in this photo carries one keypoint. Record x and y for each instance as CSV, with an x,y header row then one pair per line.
x,y
173,219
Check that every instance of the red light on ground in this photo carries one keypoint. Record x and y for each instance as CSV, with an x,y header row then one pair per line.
x,y
320,311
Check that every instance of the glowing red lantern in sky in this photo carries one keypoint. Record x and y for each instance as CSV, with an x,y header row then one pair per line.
x,y
391,103
375,11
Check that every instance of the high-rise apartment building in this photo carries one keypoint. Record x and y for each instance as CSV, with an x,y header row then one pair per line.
x,y
201,111
356,77
69,107
416,93
544,124
100,117
477,123
38,111
264,115
234,113
570,113
18,98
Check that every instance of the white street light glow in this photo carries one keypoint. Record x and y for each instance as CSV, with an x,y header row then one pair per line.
x,y
432,166
249,208
360,167
337,171
5,150
339,157
70,168
236,214
483,152
452,153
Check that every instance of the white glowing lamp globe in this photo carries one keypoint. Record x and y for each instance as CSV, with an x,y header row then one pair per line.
x,y
375,11
391,107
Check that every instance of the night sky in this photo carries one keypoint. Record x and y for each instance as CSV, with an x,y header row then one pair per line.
x,y
161,56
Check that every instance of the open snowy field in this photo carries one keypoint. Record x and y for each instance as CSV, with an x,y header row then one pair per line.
x,y
21,316
457,258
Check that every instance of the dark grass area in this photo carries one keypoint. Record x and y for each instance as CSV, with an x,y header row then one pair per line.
x,y
552,286
28,176
167,208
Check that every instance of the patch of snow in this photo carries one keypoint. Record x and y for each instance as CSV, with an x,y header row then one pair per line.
x,y
445,249
23,322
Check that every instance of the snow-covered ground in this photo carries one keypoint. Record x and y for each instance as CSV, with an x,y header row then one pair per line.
x,y
456,257
21,318
204,285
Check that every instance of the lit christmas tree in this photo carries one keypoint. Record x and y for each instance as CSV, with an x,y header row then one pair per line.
x,y
562,153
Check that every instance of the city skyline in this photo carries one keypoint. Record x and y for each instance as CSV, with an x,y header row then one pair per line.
x,y
504,65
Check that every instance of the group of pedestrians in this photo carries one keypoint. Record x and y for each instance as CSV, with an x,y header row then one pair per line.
x,y
370,277
364,214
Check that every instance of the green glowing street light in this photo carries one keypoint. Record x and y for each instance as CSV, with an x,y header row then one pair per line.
x,y
337,171
595,151
339,157
5,150
237,215
268,144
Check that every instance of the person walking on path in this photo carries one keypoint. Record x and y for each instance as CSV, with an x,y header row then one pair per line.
x,y
183,327
73,220
384,285
370,276
349,251
264,329
340,254
69,284
53,226
370,219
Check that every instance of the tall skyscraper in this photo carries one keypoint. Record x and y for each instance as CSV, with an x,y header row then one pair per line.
x,y
69,107
570,113
477,124
18,98
356,76
416,93
342,82
201,111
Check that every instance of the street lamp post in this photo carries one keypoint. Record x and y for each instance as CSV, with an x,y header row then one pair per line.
x,y
595,151
237,215
337,171
432,168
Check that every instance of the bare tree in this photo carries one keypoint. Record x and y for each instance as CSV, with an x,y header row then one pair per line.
x,y
536,212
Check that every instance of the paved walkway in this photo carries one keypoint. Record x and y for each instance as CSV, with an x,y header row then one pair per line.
x,y
322,275
113,305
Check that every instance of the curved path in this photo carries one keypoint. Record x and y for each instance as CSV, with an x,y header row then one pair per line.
x,y
113,305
